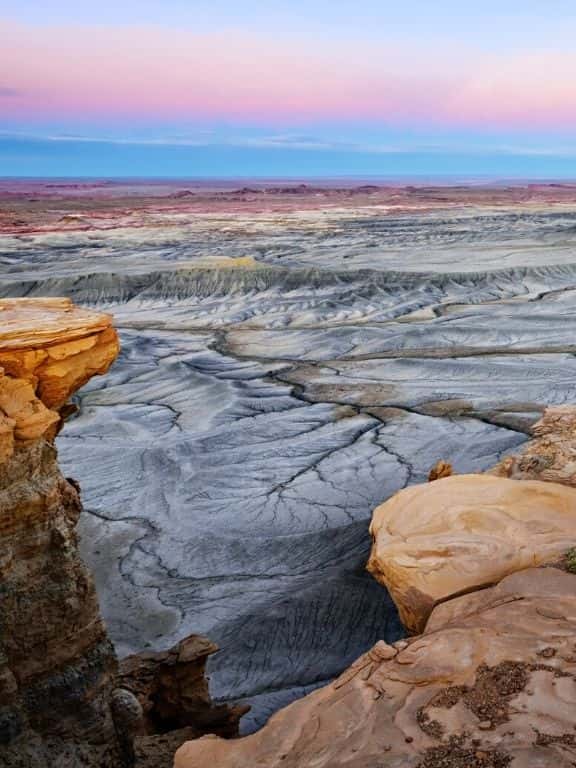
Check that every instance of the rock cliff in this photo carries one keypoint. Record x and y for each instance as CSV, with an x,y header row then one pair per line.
x,y
173,692
56,663
551,454
64,702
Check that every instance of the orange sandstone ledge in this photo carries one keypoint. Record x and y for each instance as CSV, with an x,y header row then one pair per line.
x,y
49,348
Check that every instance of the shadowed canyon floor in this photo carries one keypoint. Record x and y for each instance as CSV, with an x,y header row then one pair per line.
x,y
287,364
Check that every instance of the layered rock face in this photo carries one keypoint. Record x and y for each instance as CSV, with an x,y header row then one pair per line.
x,y
57,665
461,533
491,683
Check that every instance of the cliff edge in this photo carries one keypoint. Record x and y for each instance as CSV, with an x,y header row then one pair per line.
x,y
57,665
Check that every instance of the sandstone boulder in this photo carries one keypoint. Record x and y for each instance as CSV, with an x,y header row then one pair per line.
x,y
435,541
492,683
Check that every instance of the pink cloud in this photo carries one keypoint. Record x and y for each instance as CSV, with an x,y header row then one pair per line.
x,y
532,89
169,74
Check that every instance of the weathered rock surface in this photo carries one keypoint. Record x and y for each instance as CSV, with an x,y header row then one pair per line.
x,y
433,542
491,683
551,455
54,346
172,689
439,470
57,665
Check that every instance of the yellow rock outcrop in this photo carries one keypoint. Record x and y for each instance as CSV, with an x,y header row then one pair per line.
x,y
48,349
57,665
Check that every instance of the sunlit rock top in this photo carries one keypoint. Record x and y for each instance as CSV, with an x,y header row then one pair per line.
x,y
49,348
35,323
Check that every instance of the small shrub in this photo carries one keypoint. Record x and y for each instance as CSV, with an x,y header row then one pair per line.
x,y
571,560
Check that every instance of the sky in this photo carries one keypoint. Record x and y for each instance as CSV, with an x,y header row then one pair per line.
x,y
269,88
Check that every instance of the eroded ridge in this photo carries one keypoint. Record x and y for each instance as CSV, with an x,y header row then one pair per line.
x,y
54,345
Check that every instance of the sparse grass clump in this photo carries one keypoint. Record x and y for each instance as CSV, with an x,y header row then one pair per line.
x,y
570,560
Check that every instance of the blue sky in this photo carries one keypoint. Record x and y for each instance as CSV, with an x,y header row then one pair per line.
x,y
531,20
38,158
288,88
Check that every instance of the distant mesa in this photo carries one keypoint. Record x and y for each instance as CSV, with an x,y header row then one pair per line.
x,y
81,185
294,190
67,186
